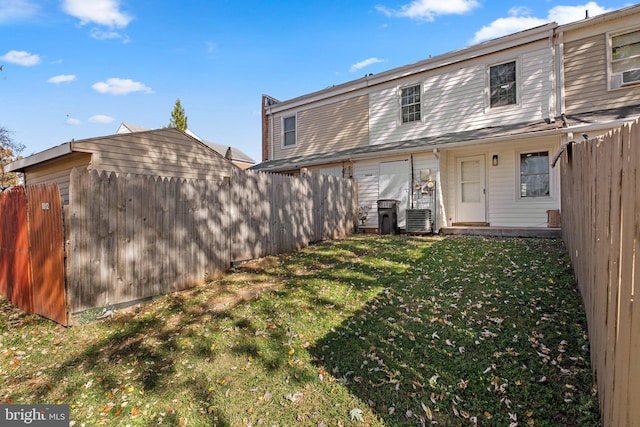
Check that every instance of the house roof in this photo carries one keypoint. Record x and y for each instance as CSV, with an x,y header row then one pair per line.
x,y
484,135
236,155
601,119
129,128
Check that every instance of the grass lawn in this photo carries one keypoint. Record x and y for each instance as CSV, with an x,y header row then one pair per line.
x,y
370,330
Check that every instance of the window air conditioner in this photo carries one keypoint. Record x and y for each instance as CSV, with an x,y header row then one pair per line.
x,y
631,76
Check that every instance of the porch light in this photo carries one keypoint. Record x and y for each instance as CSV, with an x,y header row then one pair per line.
x,y
494,160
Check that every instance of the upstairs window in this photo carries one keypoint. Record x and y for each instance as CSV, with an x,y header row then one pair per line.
x,y
410,104
625,58
289,131
502,84
534,174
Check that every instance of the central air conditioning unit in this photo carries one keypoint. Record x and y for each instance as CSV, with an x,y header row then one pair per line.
x,y
419,221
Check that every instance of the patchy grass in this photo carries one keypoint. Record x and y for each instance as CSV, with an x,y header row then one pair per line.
x,y
365,331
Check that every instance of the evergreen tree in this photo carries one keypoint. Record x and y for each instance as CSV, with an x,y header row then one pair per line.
x,y
178,118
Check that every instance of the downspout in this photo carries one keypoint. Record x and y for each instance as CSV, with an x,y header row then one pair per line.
x,y
412,184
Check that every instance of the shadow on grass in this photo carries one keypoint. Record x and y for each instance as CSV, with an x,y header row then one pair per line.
x,y
414,327
475,331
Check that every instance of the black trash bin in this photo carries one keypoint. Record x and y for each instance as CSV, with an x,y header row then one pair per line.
x,y
388,216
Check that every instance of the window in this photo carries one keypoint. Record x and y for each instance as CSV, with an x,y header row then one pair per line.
x,y
625,58
410,104
534,174
289,131
502,84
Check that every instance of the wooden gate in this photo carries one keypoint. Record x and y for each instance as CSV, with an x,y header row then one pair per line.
x,y
31,250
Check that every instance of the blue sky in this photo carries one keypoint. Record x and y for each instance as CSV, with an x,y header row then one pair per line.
x,y
78,68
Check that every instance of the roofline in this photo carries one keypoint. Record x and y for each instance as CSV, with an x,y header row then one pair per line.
x,y
614,14
67,148
426,147
481,49
42,156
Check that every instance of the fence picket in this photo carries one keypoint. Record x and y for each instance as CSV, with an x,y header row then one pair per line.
x,y
601,229
132,236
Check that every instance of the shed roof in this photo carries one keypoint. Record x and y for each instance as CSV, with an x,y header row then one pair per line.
x,y
68,147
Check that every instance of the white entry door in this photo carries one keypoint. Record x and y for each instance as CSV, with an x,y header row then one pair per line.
x,y
471,190
394,184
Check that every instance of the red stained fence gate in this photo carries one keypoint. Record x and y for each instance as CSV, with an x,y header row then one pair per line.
x,y
31,236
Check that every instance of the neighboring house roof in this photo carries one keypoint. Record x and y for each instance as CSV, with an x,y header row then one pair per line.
x,y
235,154
488,134
129,128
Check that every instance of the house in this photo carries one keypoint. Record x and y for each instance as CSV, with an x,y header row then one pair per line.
x,y
465,136
166,152
600,71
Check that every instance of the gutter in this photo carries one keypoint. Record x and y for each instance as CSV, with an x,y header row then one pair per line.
x,y
43,156
414,150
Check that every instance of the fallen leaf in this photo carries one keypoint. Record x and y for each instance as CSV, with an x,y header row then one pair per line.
x,y
356,415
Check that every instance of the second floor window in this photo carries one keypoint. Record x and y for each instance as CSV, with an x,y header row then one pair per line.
x,y
502,84
625,57
289,133
410,104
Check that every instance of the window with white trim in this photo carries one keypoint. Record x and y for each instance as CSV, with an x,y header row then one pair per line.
x,y
625,59
410,104
534,174
289,131
503,84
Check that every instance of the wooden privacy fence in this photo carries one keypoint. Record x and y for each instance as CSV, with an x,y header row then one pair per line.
x,y
131,237
601,229
31,250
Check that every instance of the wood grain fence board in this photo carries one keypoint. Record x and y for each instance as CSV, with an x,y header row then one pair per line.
x,y
601,229
134,236
623,357
634,366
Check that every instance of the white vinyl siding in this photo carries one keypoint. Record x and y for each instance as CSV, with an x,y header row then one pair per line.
x,y
505,207
456,97
366,174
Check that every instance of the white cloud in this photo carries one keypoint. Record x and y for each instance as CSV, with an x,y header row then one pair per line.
x,y
98,34
72,121
62,78
101,12
427,10
116,86
11,10
520,19
566,14
101,118
359,65
21,57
